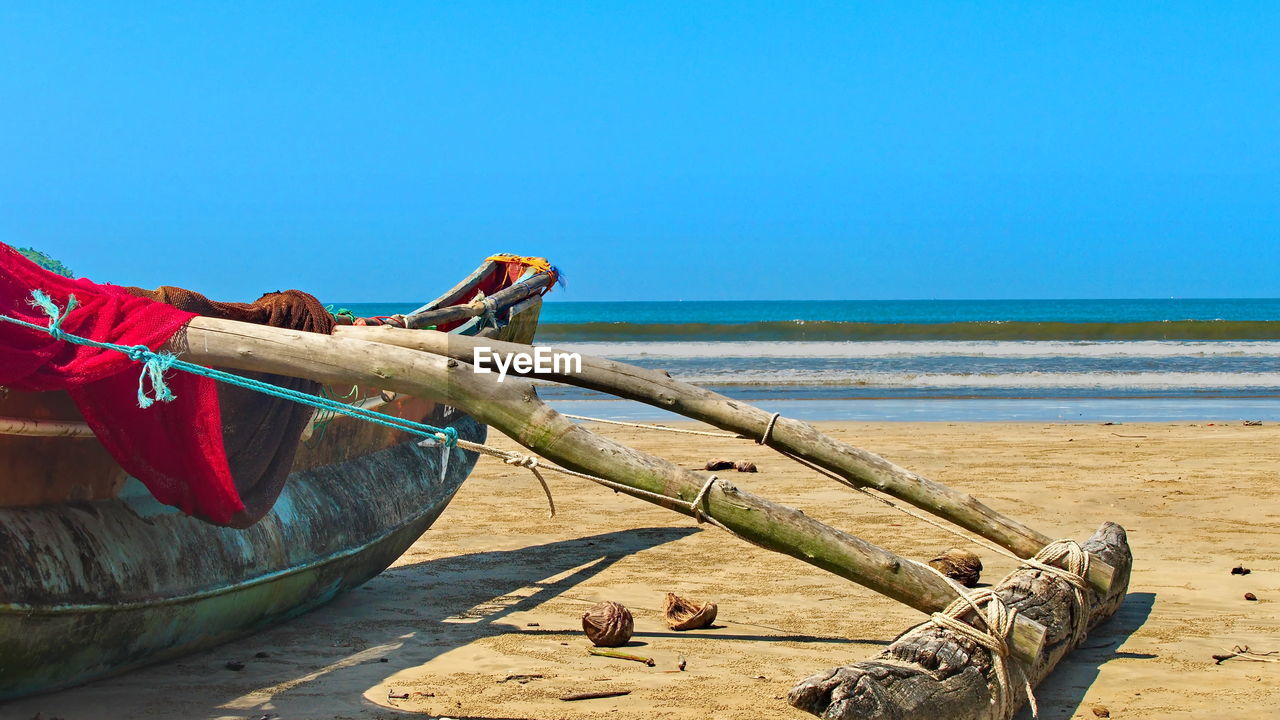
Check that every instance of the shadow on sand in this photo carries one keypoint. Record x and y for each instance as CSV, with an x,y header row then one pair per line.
x,y
1061,694
401,619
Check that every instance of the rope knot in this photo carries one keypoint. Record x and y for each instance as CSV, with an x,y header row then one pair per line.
x,y
449,436
154,366
524,461
40,299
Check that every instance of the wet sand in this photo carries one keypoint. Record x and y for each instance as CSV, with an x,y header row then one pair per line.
x,y
495,591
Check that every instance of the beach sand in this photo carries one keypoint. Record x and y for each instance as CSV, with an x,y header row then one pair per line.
x,y
497,588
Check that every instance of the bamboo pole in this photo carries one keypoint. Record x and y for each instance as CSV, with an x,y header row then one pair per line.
x,y
857,467
513,407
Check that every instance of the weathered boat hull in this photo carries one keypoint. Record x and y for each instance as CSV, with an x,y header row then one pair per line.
x,y
94,609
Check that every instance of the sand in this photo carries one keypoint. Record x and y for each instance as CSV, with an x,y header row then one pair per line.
x,y
495,591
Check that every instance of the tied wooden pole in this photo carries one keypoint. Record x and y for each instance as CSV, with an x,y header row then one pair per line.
x,y
856,467
513,407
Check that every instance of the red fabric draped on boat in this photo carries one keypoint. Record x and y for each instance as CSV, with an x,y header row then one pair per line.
x,y
175,448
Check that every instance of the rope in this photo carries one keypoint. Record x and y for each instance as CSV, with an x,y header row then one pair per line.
x,y
155,364
988,607
1074,570
339,313
528,461
519,459
696,505
768,429
664,428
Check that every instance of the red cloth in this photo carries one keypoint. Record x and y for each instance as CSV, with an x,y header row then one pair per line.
x,y
175,448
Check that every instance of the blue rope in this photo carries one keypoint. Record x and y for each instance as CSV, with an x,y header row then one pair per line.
x,y
155,364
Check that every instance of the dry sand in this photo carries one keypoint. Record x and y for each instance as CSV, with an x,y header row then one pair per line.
x,y
497,590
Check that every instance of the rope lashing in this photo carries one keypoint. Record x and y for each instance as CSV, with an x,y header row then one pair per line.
x,y
1074,570
987,605
490,312
696,504
768,429
157,363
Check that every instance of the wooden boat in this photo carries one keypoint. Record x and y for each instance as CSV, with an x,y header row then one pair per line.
x,y
96,577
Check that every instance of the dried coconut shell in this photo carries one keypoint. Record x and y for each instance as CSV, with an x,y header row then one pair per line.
x,y
962,566
608,624
685,614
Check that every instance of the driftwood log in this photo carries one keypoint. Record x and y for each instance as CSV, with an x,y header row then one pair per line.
x,y
857,467
514,408
940,675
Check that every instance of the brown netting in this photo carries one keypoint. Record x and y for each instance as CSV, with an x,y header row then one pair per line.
x,y
261,433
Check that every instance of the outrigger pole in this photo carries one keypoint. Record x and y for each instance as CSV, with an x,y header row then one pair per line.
x,y
856,467
963,655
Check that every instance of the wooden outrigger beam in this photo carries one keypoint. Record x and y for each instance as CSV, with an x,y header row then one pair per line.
x,y
514,408
857,467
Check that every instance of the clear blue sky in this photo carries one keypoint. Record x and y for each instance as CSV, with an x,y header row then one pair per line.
x,y
793,150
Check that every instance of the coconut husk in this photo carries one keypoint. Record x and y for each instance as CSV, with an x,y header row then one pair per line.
x,y
685,614
962,566
608,624
718,464
745,466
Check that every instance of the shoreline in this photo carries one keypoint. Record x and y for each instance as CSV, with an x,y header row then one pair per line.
x,y
497,587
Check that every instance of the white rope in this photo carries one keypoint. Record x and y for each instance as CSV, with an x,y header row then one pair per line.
x,y
522,460
988,607
768,429
1073,571
664,428
530,462
696,505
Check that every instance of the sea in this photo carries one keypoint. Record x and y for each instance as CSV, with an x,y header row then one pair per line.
x,y
941,360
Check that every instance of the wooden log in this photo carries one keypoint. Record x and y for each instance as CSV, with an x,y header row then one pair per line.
x,y
857,467
514,408
940,675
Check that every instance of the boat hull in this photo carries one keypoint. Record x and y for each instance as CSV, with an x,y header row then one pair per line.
x,y
88,574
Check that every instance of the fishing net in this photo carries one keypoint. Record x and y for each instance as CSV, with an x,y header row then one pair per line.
x,y
218,453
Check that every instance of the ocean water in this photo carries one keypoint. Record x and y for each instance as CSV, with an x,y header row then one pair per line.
x,y
1084,360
